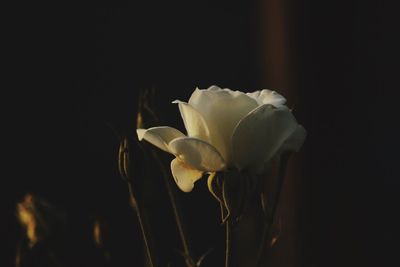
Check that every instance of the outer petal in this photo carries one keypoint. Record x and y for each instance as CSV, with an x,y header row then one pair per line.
x,y
267,96
222,109
159,136
197,154
294,141
194,122
184,175
260,134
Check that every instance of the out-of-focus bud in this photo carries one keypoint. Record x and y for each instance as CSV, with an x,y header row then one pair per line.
x,y
125,168
41,220
276,232
132,161
146,115
124,165
139,120
97,234
101,237
264,204
26,215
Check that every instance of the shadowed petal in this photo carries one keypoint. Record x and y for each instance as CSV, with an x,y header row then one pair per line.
x,y
184,176
196,153
260,134
294,141
159,136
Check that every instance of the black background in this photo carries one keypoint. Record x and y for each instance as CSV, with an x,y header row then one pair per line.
x,y
76,76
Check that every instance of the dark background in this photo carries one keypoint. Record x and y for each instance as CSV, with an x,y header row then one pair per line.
x,y
78,74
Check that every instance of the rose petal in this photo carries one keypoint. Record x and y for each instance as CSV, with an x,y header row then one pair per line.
x,y
222,109
197,153
184,176
213,88
267,96
260,134
294,141
159,136
194,122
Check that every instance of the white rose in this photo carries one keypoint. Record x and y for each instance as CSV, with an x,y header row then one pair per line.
x,y
226,130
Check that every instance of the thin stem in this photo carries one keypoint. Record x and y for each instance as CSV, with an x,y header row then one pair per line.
x,y
177,214
228,242
264,233
270,219
144,228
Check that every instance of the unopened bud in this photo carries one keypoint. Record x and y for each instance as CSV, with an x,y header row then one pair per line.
x,y
40,219
26,216
139,121
124,160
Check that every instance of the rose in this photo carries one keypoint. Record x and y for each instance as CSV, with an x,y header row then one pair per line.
x,y
227,130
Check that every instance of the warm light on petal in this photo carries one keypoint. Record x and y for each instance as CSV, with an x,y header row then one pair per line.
x,y
194,122
222,109
260,134
266,96
197,154
159,136
184,175
227,130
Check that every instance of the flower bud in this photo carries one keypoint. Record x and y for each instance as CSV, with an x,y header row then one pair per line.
x,y
42,221
124,160
27,218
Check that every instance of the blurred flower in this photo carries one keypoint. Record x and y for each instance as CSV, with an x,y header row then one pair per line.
x,y
41,220
26,216
227,130
97,235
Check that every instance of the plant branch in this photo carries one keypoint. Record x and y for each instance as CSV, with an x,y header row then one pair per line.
x,y
228,243
144,228
269,220
177,213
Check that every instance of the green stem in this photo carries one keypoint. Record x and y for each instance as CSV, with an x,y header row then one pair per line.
x,y
269,220
144,228
177,214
